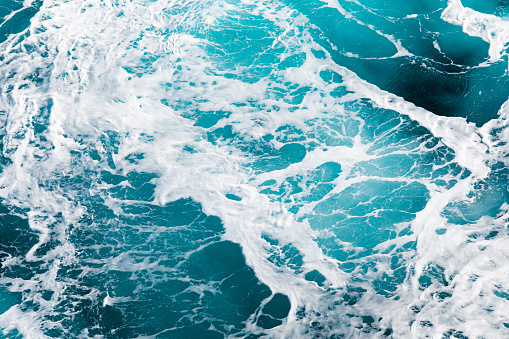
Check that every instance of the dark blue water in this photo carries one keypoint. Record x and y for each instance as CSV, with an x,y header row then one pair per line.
x,y
253,169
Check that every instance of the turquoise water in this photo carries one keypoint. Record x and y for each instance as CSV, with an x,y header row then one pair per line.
x,y
254,169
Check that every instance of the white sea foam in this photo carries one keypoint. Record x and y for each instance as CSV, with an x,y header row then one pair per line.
x,y
101,95
26,323
488,27
401,51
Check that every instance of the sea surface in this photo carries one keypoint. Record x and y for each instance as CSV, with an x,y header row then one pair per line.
x,y
254,169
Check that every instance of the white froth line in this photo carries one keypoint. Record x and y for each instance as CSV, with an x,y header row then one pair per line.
x,y
345,156
26,4
470,144
335,4
490,28
401,51
464,138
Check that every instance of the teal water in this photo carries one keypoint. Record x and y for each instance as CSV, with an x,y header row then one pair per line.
x,y
253,169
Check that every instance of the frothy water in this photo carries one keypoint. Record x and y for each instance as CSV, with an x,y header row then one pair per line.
x,y
254,168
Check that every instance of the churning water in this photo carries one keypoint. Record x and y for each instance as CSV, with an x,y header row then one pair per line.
x,y
254,169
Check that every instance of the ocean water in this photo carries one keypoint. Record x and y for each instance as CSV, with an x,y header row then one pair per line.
x,y
254,169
